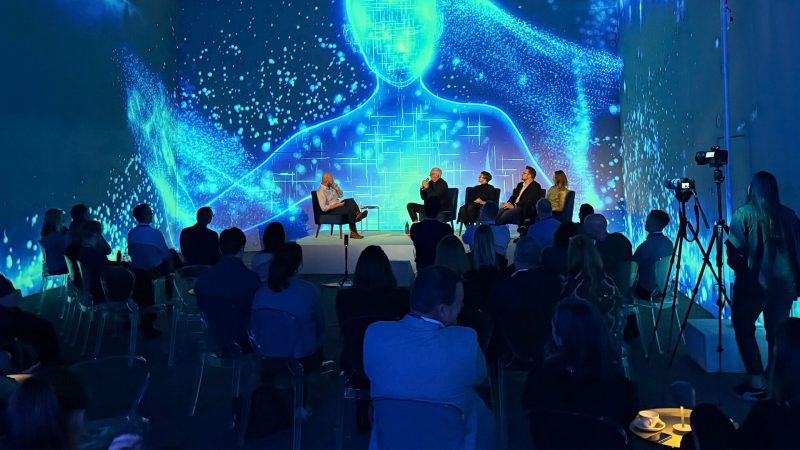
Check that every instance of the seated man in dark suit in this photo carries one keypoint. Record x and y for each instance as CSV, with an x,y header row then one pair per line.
x,y
225,293
434,187
478,196
614,248
655,247
523,304
427,234
200,245
521,206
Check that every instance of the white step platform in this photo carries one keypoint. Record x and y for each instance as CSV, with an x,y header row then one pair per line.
x,y
701,344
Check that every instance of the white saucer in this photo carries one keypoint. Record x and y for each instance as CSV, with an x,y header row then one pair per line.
x,y
660,426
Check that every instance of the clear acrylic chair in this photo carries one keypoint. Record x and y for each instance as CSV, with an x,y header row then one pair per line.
x,y
53,280
185,304
118,283
69,309
412,424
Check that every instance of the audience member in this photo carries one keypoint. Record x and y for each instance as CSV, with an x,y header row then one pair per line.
x,y
655,247
199,244
29,328
427,234
54,237
478,196
555,256
272,239
483,251
434,187
711,430
523,304
47,411
93,258
450,253
614,248
520,207
329,194
586,278
79,214
425,356
225,294
500,232
487,269
581,375
285,292
546,224
585,211
764,252
557,194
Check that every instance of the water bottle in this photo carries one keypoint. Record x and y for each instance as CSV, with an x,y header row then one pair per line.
x,y
407,230
119,256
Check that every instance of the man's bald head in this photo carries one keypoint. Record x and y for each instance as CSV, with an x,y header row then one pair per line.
x,y
327,178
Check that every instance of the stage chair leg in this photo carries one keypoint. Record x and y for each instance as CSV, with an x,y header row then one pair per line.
x,y
331,229
340,231
199,383
318,227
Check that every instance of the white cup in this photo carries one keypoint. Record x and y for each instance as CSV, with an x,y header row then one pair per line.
x,y
648,419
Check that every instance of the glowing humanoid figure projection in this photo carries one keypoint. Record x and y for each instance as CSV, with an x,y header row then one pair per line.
x,y
385,146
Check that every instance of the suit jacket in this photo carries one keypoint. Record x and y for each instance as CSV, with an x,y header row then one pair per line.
x,y
426,235
439,190
485,192
529,198
199,245
420,360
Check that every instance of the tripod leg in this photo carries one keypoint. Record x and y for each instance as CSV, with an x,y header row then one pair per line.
x,y
675,293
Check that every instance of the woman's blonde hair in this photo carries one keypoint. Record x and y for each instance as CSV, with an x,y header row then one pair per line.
x,y
560,179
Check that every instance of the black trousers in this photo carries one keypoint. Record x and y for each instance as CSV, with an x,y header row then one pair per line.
x,y
143,293
349,209
749,302
469,214
415,211
32,330
511,216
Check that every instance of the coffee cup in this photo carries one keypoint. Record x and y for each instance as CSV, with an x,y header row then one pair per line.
x,y
648,419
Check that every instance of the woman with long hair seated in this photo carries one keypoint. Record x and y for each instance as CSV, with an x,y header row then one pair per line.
x,y
271,239
450,253
54,242
557,194
586,278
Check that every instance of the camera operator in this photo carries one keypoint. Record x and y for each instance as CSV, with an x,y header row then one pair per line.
x,y
763,248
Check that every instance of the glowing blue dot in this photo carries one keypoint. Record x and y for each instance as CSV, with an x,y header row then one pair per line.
x,y
265,147
613,109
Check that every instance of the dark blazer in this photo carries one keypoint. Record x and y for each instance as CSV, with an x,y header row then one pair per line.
x,y
199,245
230,281
356,309
529,198
439,190
426,235
485,192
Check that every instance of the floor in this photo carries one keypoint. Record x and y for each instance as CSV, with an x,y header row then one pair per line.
x,y
168,398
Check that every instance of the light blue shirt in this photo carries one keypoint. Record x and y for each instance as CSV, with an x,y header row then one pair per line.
x,y
500,233
146,247
300,299
544,230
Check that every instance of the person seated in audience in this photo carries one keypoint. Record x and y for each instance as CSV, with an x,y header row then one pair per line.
x,y
546,224
199,244
29,328
522,305
502,236
478,196
286,292
93,258
488,268
555,256
426,234
225,294
450,253
271,240
711,430
426,356
586,278
557,194
581,374
54,237
483,251
614,248
585,211
655,247
79,214
47,411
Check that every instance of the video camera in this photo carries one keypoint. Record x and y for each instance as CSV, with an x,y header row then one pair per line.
x,y
715,157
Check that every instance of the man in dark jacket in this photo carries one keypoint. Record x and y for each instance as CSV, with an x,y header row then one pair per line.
x,y
521,206
427,234
433,187
477,197
199,244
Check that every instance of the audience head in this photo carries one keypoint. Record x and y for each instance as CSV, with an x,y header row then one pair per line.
x,y
438,293
485,177
786,365
563,233
450,253
232,241
585,211
596,227
285,264
205,215
763,196
273,237
432,207
436,174
482,248
47,411
374,270
143,213
560,179
582,256
489,212
79,212
710,428
544,208
581,335
656,221
91,231
528,254
53,222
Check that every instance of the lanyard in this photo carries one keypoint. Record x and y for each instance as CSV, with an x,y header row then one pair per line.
x,y
426,319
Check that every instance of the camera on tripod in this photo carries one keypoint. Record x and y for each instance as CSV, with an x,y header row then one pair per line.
x,y
714,157
683,188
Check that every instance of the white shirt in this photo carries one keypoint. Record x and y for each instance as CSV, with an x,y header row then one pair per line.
x,y
524,186
328,196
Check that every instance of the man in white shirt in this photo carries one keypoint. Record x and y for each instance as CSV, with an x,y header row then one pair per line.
x,y
329,194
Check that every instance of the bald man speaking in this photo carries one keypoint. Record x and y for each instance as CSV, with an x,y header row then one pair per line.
x,y
329,194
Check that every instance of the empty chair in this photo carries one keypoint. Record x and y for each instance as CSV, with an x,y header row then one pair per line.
x,y
416,424
568,430
320,218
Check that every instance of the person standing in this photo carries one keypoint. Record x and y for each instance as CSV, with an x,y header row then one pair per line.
x,y
520,206
478,196
329,194
763,248
433,187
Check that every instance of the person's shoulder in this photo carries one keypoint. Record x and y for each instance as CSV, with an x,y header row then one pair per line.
x,y
461,333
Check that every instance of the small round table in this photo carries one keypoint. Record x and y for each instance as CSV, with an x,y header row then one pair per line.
x,y
374,209
670,417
